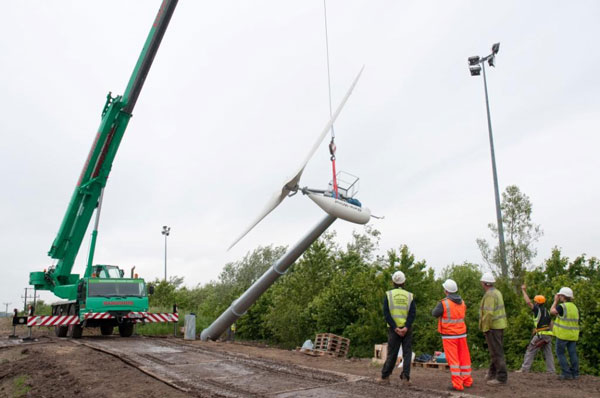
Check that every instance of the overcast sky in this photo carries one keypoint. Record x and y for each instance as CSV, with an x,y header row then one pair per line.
x,y
238,93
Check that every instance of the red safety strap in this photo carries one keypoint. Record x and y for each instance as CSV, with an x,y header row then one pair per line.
x,y
332,149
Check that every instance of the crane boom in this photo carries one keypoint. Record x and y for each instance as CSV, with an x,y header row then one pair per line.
x,y
114,119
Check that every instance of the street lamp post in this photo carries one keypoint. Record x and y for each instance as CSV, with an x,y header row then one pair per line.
x,y
165,231
475,69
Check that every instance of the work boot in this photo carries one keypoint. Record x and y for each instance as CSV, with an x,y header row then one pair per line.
x,y
521,371
381,380
405,379
495,383
488,376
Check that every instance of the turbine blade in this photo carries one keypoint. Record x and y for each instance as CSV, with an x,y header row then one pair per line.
x,y
275,200
294,180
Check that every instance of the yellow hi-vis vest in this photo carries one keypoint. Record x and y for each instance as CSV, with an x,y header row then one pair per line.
x,y
497,310
566,327
399,302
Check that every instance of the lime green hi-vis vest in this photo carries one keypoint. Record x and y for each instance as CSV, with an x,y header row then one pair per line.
x,y
399,302
497,309
566,327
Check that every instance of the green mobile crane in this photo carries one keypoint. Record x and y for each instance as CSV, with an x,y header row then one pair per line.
x,y
103,288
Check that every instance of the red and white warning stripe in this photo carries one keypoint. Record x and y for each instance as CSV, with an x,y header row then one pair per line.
x,y
53,320
161,317
98,315
138,316
63,320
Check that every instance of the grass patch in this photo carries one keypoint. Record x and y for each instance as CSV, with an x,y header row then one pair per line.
x,y
156,329
20,386
166,329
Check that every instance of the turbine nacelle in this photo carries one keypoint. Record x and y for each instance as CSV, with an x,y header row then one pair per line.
x,y
339,207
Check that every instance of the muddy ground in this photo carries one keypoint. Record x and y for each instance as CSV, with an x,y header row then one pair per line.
x,y
53,367
519,385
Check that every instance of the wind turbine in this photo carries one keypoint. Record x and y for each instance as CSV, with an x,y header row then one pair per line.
x,y
337,207
334,204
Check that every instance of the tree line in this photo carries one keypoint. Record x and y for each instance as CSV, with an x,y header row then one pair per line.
x,y
340,290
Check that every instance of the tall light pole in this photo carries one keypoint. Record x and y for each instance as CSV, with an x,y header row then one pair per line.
x,y
475,69
165,231
6,310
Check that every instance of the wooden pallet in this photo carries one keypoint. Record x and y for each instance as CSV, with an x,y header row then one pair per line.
x,y
316,353
433,365
330,342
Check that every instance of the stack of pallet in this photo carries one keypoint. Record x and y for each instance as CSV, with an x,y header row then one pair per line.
x,y
328,344
332,344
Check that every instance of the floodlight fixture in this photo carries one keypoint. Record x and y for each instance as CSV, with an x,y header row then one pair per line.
x,y
492,61
495,48
474,60
475,70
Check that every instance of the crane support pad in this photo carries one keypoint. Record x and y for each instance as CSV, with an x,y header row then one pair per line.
x,y
138,317
53,320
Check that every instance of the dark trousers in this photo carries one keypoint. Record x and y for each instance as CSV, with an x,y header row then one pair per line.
x,y
497,370
394,342
570,346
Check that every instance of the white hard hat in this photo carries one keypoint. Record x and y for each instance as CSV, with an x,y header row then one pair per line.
x,y
450,286
488,277
566,291
398,277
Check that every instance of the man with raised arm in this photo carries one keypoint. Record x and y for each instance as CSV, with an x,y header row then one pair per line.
x,y
542,333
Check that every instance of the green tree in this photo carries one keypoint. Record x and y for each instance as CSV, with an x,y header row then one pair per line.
x,y
290,318
520,235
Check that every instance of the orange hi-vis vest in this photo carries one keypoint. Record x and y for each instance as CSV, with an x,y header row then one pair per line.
x,y
451,324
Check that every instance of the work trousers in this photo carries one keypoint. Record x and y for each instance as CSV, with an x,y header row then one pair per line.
x,y
567,371
533,348
459,359
497,370
394,342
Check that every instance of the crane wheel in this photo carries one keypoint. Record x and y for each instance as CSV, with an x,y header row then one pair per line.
x,y
75,331
61,331
126,330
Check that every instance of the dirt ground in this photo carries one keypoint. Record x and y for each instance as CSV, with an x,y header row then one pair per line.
x,y
519,385
53,367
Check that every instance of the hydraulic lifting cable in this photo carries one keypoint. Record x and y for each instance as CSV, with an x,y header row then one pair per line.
x,y
332,146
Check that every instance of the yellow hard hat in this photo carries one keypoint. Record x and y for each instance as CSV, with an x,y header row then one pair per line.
x,y
539,299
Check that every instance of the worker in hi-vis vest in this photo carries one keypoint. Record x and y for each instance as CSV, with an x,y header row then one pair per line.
x,y
399,311
542,333
451,312
492,322
566,331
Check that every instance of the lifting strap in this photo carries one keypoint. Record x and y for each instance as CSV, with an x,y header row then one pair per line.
x,y
332,147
